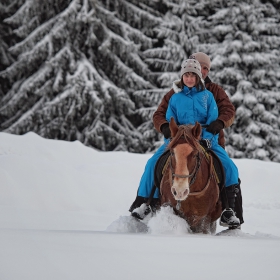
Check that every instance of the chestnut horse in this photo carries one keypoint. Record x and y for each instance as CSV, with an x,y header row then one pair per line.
x,y
189,183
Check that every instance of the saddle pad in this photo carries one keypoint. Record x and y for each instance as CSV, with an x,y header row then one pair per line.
x,y
218,167
160,167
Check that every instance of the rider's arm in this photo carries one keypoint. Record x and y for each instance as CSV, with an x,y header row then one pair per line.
x,y
225,107
212,114
159,117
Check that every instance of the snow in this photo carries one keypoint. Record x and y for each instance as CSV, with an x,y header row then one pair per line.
x,y
64,215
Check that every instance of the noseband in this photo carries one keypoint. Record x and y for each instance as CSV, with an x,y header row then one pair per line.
x,y
193,173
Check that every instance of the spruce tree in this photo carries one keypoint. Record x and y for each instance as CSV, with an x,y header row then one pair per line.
x,y
7,39
76,68
244,45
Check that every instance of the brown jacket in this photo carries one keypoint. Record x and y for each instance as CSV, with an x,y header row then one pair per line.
x,y
225,107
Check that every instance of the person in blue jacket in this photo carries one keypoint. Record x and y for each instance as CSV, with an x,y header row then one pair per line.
x,y
195,103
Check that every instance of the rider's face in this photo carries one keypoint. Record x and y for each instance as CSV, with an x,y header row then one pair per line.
x,y
189,79
204,71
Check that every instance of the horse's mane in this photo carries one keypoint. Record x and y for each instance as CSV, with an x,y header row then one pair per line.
x,y
184,133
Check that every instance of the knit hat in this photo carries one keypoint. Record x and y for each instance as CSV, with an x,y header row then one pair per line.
x,y
203,59
191,65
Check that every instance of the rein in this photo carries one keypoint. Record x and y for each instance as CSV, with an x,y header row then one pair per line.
x,y
208,182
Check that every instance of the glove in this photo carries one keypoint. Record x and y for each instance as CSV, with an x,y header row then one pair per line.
x,y
165,130
215,127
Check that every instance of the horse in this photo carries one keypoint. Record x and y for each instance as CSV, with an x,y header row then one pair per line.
x,y
189,184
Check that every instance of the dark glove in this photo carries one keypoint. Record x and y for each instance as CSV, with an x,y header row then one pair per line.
x,y
215,127
165,130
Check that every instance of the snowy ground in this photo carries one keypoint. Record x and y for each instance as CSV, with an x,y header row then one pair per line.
x,y
64,215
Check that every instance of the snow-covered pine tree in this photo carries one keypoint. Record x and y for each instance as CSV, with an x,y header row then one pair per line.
x,y
244,43
7,39
77,66
84,57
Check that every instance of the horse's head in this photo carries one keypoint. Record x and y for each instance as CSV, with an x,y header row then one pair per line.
x,y
184,148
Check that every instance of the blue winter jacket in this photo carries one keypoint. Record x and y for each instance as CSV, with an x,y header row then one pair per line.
x,y
190,105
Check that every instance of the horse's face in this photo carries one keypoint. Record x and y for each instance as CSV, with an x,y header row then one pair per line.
x,y
183,145
180,184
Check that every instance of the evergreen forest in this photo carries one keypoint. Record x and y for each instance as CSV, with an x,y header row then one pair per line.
x,y
96,70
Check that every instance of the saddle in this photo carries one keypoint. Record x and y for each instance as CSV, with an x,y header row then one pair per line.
x,y
163,161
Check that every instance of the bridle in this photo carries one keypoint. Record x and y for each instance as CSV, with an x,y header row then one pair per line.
x,y
193,173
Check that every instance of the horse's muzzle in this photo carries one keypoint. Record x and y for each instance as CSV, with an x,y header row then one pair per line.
x,y
179,193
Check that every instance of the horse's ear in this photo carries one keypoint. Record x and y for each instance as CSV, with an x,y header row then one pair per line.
x,y
173,127
196,130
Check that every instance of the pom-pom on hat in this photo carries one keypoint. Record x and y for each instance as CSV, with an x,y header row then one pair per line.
x,y
191,65
203,59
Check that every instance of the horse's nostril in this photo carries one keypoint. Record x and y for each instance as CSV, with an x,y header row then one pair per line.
x,y
174,191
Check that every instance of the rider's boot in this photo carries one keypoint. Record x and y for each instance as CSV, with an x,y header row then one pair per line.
x,y
137,202
139,208
228,217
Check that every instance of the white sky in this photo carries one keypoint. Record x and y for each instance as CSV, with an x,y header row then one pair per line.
x,y
64,215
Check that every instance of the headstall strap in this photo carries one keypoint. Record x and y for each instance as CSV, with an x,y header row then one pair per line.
x,y
194,172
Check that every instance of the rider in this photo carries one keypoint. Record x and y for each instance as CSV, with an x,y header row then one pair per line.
x,y
225,119
195,104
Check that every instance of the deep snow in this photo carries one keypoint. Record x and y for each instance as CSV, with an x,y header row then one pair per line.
x,y
64,215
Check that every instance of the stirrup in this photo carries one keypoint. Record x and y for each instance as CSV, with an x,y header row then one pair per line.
x,y
234,227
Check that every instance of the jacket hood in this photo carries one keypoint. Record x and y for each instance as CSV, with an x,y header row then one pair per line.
x,y
177,86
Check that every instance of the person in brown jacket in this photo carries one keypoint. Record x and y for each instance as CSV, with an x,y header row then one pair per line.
x,y
225,107
225,119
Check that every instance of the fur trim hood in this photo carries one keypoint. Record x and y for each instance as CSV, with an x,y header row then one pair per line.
x,y
177,86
